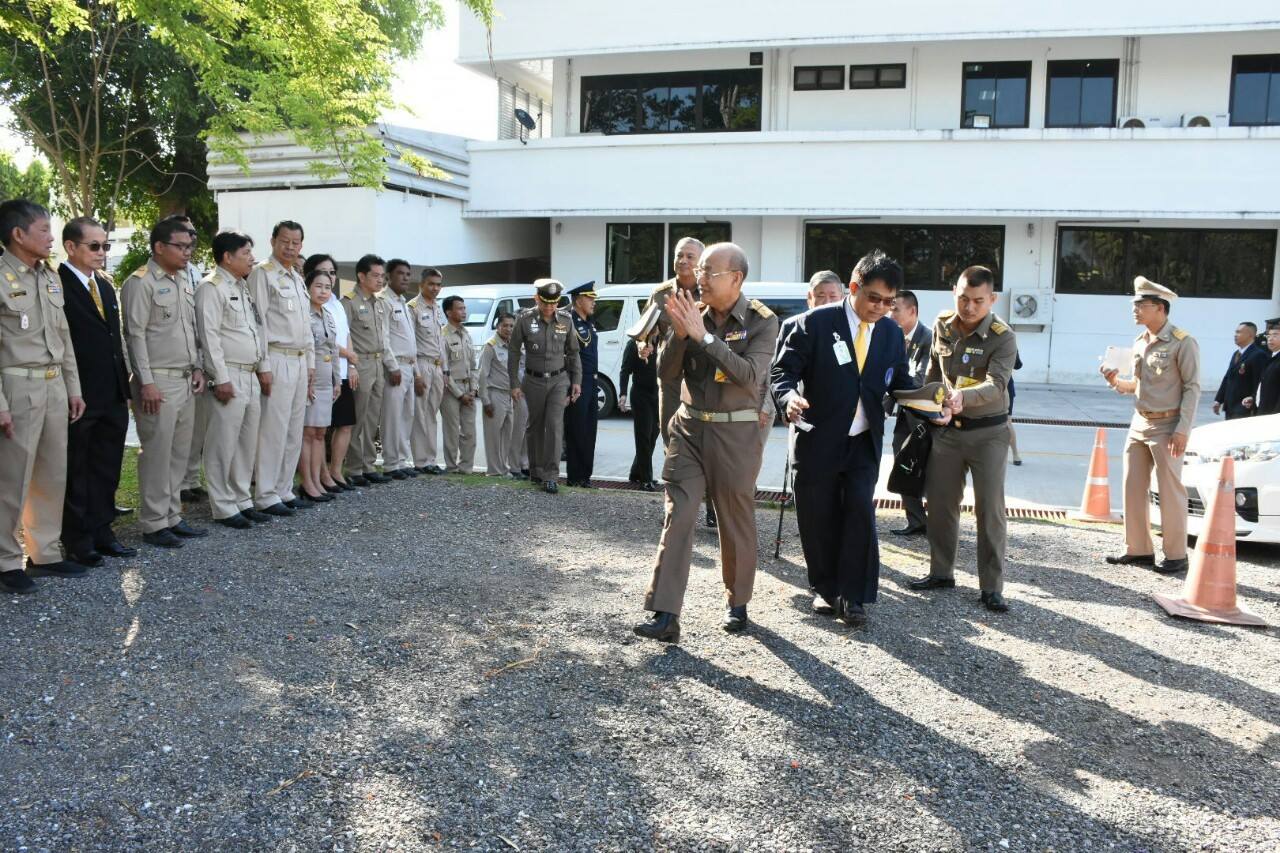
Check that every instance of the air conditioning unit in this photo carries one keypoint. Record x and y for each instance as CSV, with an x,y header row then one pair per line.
x,y
1136,122
1026,306
1206,119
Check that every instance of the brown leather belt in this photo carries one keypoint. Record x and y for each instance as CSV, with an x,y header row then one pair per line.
x,y
1152,416
963,424
538,375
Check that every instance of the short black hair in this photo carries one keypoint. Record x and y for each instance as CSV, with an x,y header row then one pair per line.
x,y
229,242
1163,303
312,274
909,298
450,301
428,272
316,260
1251,325
165,229
877,266
18,213
75,228
977,276
288,224
395,263
368,262
502,315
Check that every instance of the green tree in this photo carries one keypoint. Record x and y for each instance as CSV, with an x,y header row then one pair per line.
x,y
32,183
125,97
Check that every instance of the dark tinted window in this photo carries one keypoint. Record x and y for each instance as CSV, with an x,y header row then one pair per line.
x,y
634,252
1082,93
932,256
608,314
818,77
706,232
995,93
877,76
675,102
1255,90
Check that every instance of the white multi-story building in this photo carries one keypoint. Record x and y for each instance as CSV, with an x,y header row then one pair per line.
x,y
1068,146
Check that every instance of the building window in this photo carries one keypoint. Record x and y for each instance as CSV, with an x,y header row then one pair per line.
x,y
932,256
810,77
1255,90
1082,93
705,232
676,102
996,94
877,76
1226,263
634,252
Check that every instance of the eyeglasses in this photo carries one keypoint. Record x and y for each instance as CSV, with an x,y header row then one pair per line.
x,y
95,246
886,301
183,247
702,271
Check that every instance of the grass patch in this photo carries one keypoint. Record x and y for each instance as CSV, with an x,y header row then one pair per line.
x,y
127,492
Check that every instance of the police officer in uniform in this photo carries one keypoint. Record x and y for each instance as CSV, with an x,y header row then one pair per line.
x,y
552,378
1166,389
721,352
39,386
428,328
688,251
973,352
369,316
458,411
398,396
581,418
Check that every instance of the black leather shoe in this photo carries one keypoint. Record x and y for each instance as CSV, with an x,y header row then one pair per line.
x,y
193,495
162,539
709,519
348,487
60,569
236,522
322,498
397,474
186,531
409,472
88,558
123,510
648,486
910,530
994,602
551,487
359,481
277,509
1133,560
335,489
115,549
375,477
853,613
256,516
1172,567
930,582
664,627
299,503
524,472
16,582
735,619
821,606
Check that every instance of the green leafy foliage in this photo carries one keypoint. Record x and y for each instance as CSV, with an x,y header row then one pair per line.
x,y
32,183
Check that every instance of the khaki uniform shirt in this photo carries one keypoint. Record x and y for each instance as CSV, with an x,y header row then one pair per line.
x,y
370,333
727,374
229,325
460,361
1166,368
494,378
282,301
34,332
979,364
547,347
428,328
400,330
159,321
324,334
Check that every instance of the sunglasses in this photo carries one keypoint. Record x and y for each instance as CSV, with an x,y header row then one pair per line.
x,y
95,246
886,301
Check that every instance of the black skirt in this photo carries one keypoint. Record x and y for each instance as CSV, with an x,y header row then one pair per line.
x,y
344,408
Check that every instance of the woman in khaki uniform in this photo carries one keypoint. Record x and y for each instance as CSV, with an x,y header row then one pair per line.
x,y
325,387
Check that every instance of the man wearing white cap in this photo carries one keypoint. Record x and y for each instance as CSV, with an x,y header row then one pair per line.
x,y
1166,389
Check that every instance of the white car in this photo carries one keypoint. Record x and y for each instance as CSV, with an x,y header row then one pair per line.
x,y
1254,443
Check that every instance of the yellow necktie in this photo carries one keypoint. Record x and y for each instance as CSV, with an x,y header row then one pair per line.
x,y
860,344
97,298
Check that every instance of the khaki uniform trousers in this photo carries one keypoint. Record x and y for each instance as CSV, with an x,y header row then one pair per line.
x,y
459,434
983,453
231,445
518,451
397,421
362,454
498,433
1148,447
33,469
198,429
280,430
544,431
426,415
162,462
720,460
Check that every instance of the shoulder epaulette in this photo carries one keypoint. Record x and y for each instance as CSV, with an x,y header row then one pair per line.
x,y
998,328
140,271
268,264
666,285
492,342
1180,334
760,308
945,316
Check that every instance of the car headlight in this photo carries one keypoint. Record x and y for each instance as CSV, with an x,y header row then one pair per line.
x,y
1258,451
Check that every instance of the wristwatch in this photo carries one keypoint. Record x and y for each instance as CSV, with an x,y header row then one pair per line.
x,y
707,339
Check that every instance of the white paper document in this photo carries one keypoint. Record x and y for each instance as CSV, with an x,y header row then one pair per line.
x,y
1119,358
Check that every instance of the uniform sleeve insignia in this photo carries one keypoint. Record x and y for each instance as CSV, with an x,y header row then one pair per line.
x,y
760,308
1180,334
998,328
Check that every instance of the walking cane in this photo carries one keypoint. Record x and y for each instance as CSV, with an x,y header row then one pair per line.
x,y
786,480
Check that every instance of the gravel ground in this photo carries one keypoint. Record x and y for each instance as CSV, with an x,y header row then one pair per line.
x,y
442,665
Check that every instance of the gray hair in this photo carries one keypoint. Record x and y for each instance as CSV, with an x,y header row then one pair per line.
x,y
821,277
686,240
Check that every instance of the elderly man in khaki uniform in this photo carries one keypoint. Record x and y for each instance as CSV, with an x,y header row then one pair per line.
x,y
159,305
39,387
687,252
369,316
1166,389
972,353
720,352
428,327
458,411
398,396
552,378
235,353
281,298
495,399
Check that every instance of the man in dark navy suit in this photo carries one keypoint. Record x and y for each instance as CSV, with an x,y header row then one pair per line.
x,y
95,443
848,355
1243,372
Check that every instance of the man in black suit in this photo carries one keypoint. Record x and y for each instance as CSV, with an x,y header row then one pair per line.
x,y
1265,400
918,338
848,355
95,444
1243,373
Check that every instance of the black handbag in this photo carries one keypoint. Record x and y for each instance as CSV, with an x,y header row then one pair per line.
x,y
909,463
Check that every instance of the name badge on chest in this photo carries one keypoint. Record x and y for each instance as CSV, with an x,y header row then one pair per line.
x,y
841,349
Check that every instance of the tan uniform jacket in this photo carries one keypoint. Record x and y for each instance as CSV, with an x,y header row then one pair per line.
x,y
282,301
400,330
368,317
324,334
229,325
34,332
979,364
428,327
1166,368
461,359
494,378
159,313
547,347
727,374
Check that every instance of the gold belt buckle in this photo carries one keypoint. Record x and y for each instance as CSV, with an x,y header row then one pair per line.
x,y
959,424
705,417
51,373
328,358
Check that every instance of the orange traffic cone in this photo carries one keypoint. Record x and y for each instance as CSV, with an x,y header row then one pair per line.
x,y
1096,503
1210,591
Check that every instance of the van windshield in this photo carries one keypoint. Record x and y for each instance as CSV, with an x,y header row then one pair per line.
x,y
477,311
